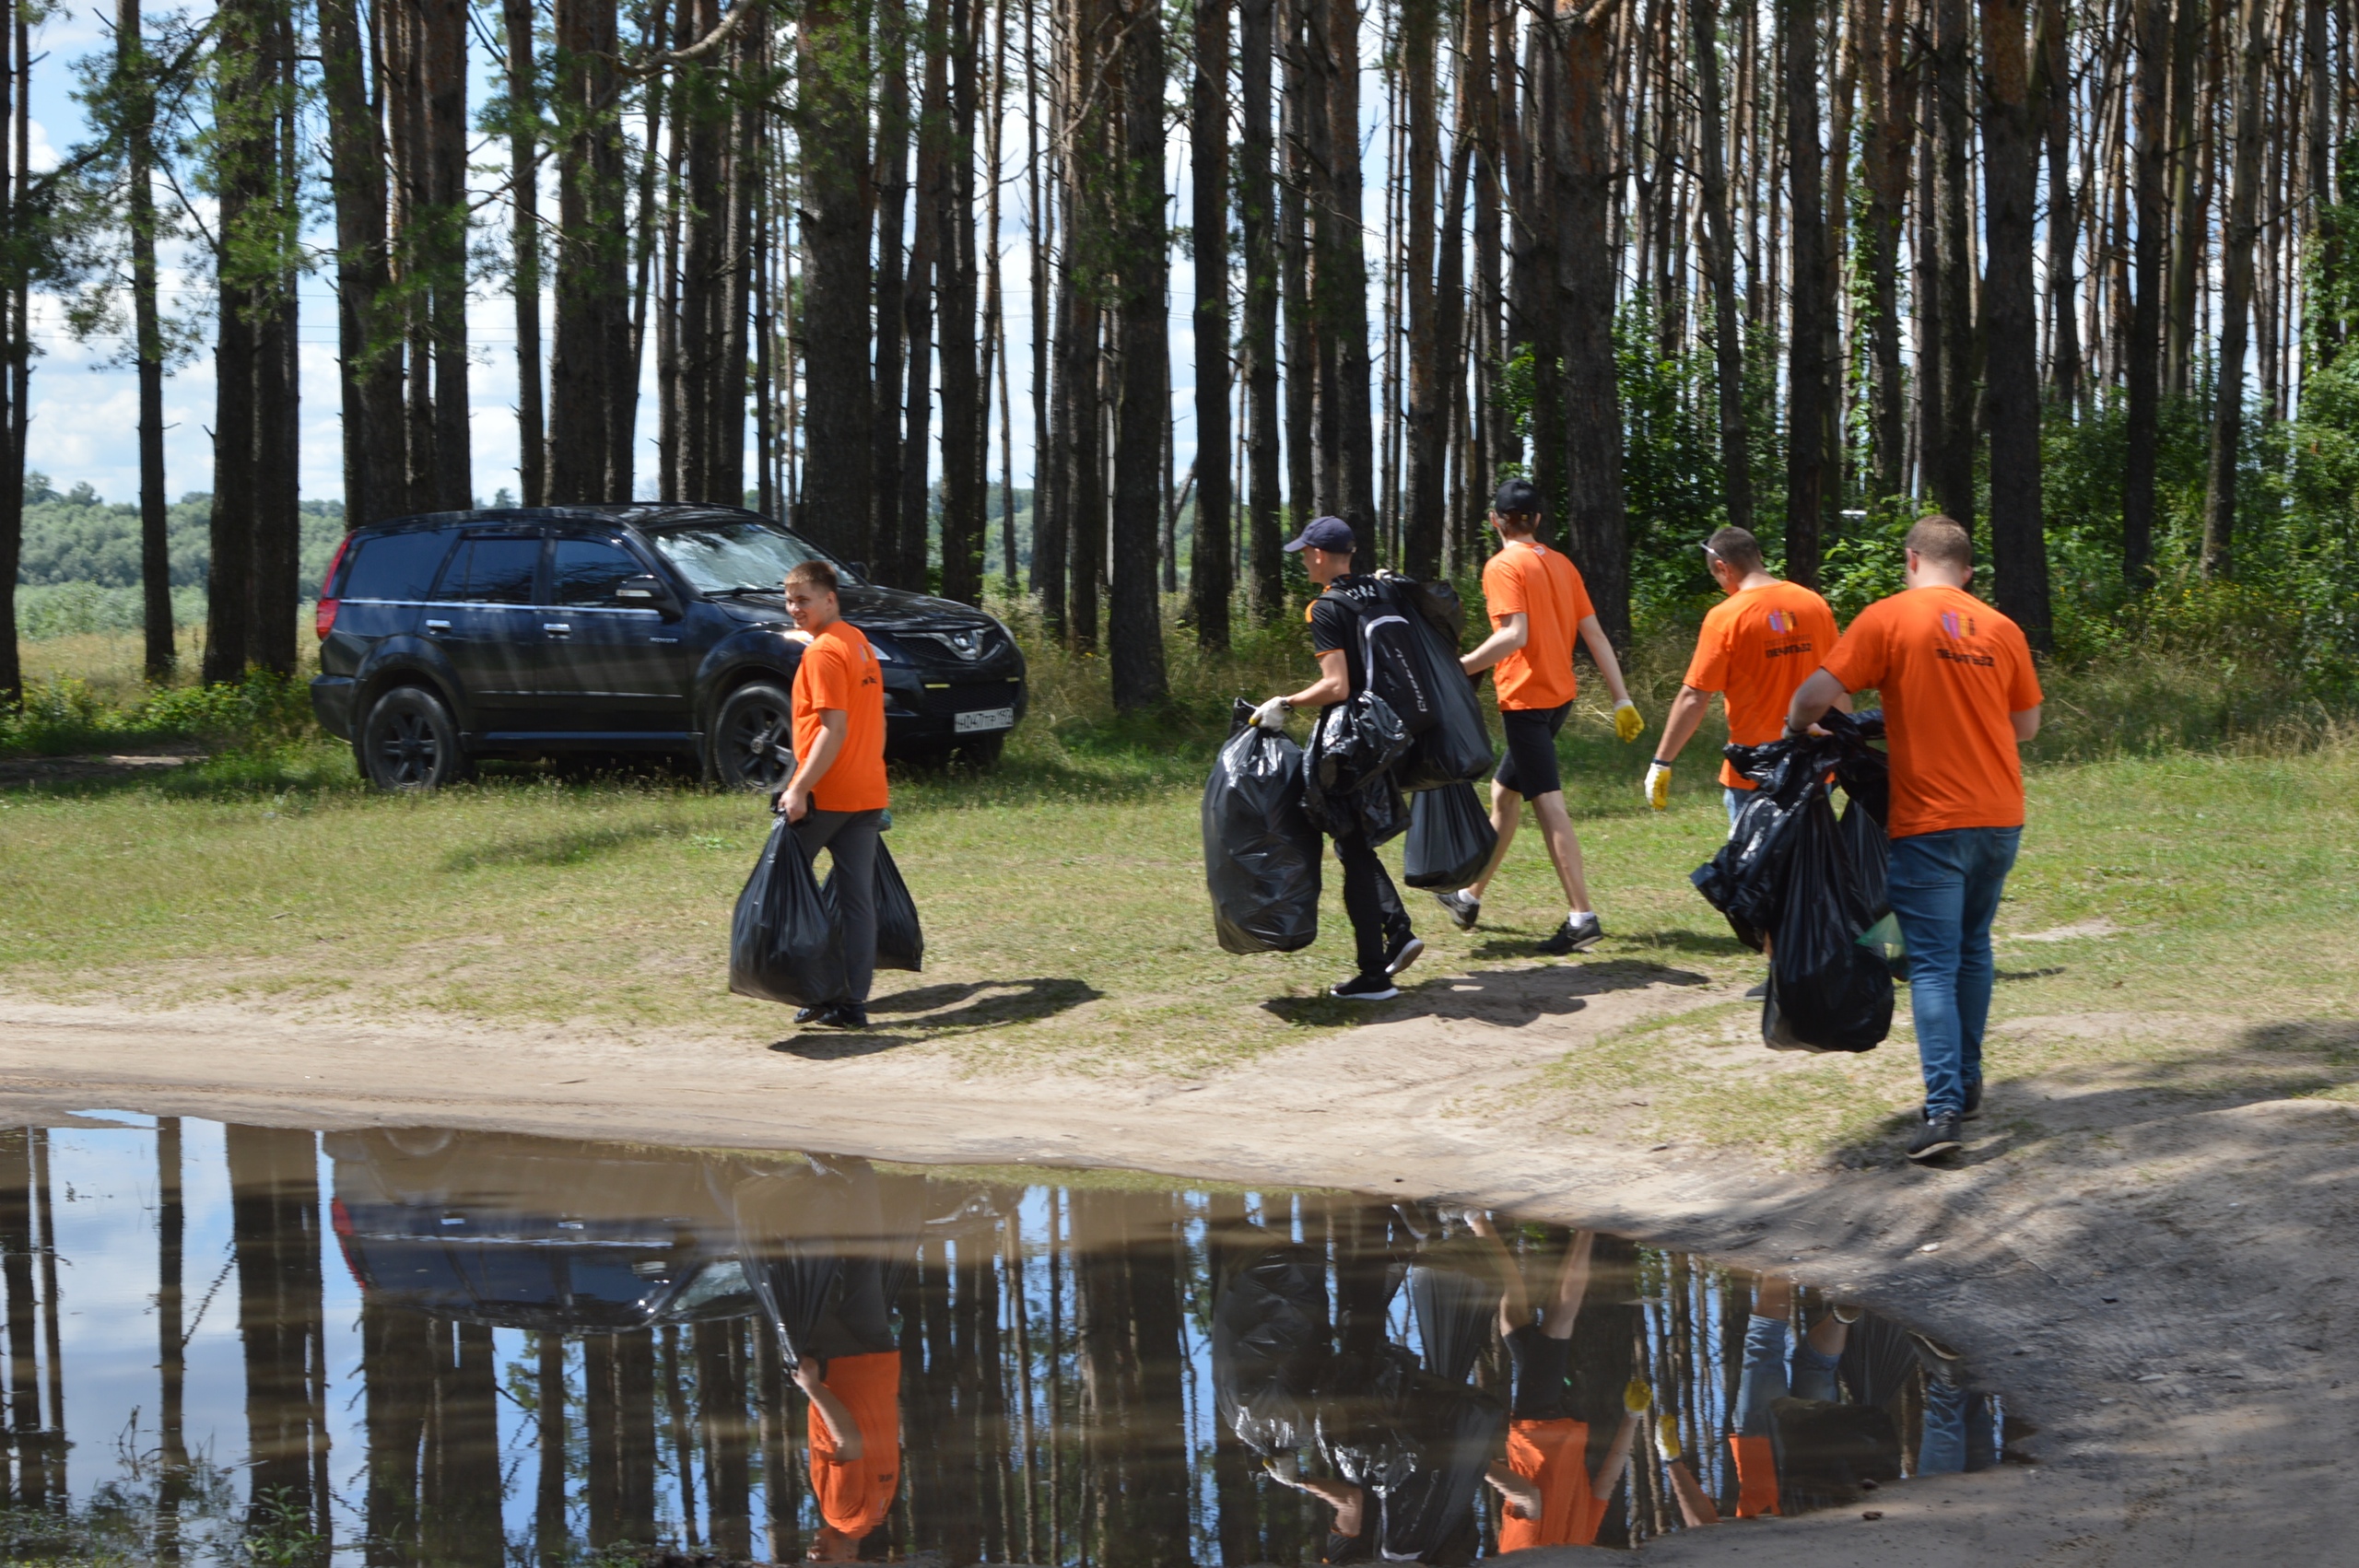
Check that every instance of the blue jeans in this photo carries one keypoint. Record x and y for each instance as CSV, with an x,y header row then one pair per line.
x,y
1734,800
1944,889
1959,1433
1764,1379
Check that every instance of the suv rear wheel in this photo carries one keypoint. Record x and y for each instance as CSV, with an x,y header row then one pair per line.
x,y
753,738
408,742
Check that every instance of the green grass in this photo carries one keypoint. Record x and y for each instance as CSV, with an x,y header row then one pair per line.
x,y
1068,926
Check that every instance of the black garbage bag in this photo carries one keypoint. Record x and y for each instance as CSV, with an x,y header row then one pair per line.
x,y
1417,1442
1453,1288
1261,851
1829,1456
1270,1344
782,942
1746,880
1827,991
1450,838
901,941
1347,781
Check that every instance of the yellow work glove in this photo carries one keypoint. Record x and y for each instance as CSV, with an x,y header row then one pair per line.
x,y
1657,789
1636,1395
1626,723
1667,1436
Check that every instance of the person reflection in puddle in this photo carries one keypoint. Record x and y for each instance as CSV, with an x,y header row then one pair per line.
x,y
1767,1378
1551,1497
819,1255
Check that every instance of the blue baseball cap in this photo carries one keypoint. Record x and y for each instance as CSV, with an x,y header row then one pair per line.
x,y
1329,533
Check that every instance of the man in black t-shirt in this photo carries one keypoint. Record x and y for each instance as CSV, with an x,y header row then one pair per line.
x,y
1380,929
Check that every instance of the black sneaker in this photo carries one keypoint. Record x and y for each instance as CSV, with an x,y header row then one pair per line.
x,y
1402,953
842,1015
814,1014
1973,1111
1366,987
1463,909
1937,1137
1574,938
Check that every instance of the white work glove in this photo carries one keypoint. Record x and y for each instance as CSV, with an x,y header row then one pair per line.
x,y
1272,715
1657,789
1626,723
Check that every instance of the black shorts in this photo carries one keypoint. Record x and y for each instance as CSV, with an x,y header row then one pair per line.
x,y
1543,1374
1529,767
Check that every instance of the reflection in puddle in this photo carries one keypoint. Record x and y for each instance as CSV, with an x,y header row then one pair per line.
x,y
533,1350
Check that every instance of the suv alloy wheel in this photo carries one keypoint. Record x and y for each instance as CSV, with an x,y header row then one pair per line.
x,y
753,738
408,742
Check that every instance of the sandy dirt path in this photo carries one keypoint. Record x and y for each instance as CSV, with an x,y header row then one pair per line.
x,y
2161,1287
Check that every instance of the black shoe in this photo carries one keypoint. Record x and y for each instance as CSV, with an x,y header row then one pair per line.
x,y
1463,909
1973,1111
1937,1137
814,1014
1402,953
1759,992
839,1015
1574,938
1366,987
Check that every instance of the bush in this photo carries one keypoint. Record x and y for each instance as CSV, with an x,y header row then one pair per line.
x,y
62,716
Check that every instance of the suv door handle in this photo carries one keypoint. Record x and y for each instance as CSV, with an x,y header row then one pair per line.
x,y
556,627
438,625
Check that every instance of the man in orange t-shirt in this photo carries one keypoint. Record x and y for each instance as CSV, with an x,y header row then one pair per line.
x,y
1960,696
1756,646
837,797
1550,1497
1538,605
855,1430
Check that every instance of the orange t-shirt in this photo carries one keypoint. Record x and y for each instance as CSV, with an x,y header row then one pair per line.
x,y
1544,586
1757,646
854,1497
1756,1476
1950,670
1553,1455
839,674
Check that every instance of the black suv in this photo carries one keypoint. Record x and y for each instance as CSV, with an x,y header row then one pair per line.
x,y
528,632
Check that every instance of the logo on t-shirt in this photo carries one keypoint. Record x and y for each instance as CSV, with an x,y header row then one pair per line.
x,y
1781,621
1951,623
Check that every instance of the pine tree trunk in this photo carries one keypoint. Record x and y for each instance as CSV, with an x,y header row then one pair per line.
x,y
2186,219
700,127
1806,367
2010,322
1428,403
1950,460
2235,295
593,290
136,103
1134,627
882,548
1345,275
963,411
278,439
1257,213
15,342
832,90
444,261
246,143
1209,562
368,331
523,197
2142,418
1303,495
2320,237
1596,529
1719,262
912,531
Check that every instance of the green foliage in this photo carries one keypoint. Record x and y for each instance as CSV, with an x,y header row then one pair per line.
x,y
78,537
65,717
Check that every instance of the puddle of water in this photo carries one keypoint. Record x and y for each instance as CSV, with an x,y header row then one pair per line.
x,y
424,1346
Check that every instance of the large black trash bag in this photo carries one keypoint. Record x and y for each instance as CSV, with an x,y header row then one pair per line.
x,y
1261,851
1453,1288
1417,1442
782,940
1348,780
1827,991
1746,880
1269,1346
1450,838
900,940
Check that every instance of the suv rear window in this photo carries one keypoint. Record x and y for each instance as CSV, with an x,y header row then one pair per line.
x,y
497,570
394,566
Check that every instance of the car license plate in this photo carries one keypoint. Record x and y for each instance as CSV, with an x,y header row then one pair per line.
x,y
984,719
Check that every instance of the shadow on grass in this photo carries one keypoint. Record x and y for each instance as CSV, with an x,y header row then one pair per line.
x,y
569,849
936,1013
1711,944
2287,1059
1510,998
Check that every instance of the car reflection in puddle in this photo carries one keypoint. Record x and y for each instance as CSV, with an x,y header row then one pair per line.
x,y
542,1346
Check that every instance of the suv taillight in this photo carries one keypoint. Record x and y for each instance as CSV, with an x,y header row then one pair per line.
x,y
324,617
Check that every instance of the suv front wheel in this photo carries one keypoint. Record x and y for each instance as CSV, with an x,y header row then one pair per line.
x,y
753,738
408,742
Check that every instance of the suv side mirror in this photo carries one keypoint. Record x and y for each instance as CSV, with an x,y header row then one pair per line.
x,y
648,590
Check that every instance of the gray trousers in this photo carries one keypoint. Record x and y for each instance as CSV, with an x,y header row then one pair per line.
x,y
850,838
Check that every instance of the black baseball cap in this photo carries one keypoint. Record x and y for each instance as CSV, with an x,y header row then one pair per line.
x,y
1517,496
1329,533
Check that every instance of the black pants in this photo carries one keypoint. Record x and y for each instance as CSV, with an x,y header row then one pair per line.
x,y
1378,919
850,838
